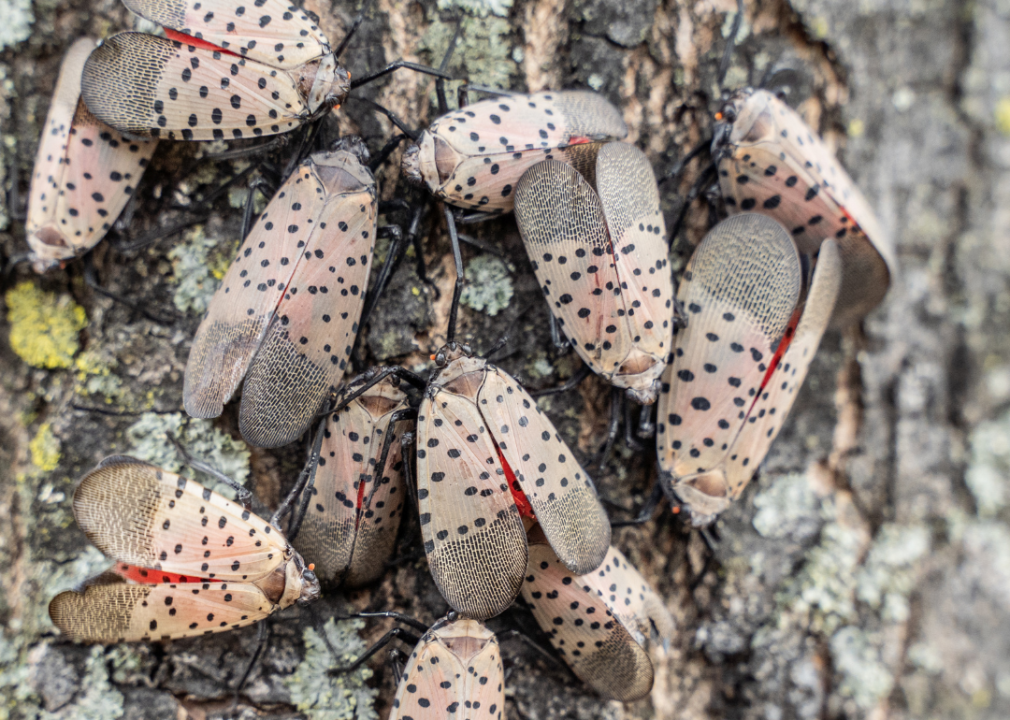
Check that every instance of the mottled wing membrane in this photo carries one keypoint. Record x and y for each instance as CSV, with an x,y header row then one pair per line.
x,y
150,86
139,514
84,172
563,226
109,611
771,408
472,531
305,352
582,628
740,290
274,32
454,672
776,165
632,599
350,527
630,199
245,304
559,490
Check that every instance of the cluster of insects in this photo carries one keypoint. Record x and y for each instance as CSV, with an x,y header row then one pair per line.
x,y
503,505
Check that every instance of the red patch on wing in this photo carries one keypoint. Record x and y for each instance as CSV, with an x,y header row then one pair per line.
x,y
196,42
525,509
149,576
787,339
578,140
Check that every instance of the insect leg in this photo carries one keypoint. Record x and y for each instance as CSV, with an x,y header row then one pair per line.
x,y
646,511
396,632
460,276
562,345
629,438
243,493
393,117
532,644
443,104
615,420
396,65
347,37
646,428
706,176
380,468
306,477
569,384
385,152
262,633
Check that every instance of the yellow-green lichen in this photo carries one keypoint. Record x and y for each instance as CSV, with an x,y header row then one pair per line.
x,y
322,696
484,49
1003,115
44,326
488,285
45,449
95,377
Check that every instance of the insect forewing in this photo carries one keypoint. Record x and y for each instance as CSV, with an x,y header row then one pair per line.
x,y
350,528
583,628
740,290
561,492
454,672
112,610
149,86
84,171
773,163
473,535
142,515
273,32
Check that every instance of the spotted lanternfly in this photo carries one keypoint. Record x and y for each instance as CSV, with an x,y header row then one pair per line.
x,y
473,157
84,173
599,250
226,70
772,163
350,527
188,561
486,459
286,314
737,366
600,622
454,671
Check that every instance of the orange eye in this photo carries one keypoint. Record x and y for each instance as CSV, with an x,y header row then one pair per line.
x,y
312,567
718,116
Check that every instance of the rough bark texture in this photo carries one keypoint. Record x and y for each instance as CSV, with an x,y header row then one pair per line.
x,y
866,574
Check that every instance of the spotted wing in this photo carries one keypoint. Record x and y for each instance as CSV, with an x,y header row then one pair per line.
x,y
561,492
149,86
84,171
109,610
139,514
630,200
350,528
247,301
740,290
631,598
772,406
564,229
305,351
274,32
776,165
583,630
439,683
472,531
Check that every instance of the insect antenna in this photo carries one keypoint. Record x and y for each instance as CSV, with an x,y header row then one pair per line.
x,y
12,262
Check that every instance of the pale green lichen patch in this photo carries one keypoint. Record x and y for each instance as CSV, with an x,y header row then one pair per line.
x,y
888,575
484,48
489,286
150,441
95,377
322,696
98,699
45,449
16,18
199,263
864,676
988,474
786,503
480,8
45,327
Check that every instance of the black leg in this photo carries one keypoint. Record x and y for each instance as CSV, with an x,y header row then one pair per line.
x,y
647,510
616,396
571,383
530,643
396,632
561,344
392,615
262,633
91,280
629,426
457,257
678,169
646,428
393,117
385,152
704,179
498,345
396,65
443,104
347,37
308,473
380,468
244,495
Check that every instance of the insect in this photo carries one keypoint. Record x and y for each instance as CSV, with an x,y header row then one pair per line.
x,y
771,162
737,365
85,172
455,671
188,561
600,622
489,460
473,157
597,244
286,314
227,70
356,490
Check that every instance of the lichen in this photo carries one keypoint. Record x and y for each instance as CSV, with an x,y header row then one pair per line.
x,y
149,438
786,507
16,18
888,575
322,696
484,49
95,377
480,8
864,676
45,449
988,473
198,264
98,700
44,326
1003,115
489,286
